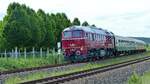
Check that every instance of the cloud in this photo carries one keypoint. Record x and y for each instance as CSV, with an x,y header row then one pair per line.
x,y
131,24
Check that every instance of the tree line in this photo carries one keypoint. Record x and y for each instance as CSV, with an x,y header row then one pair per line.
x,y
24,27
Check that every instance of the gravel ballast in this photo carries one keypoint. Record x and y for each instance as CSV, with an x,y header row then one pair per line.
x,y
116,76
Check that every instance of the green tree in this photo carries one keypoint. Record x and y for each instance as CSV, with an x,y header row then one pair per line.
x,y
46,26
0,28
21,26
76,21
85,23
93,25
1,37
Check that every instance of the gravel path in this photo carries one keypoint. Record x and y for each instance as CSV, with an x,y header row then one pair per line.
x,y
116,76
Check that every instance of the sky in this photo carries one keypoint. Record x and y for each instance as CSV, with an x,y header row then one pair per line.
x,y
122,17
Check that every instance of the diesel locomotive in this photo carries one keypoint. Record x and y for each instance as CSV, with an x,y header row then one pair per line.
x,y
80,43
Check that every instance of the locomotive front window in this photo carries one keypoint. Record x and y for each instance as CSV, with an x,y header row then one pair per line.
x,y
67,34
76,33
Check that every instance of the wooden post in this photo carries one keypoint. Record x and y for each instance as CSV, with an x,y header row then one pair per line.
x,y
5,54
16,53
33,52
59,47
47,52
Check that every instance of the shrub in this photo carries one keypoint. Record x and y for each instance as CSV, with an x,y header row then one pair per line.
x,y
135,79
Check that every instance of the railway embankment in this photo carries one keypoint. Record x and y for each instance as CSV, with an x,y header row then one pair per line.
x,y
116,76
41,73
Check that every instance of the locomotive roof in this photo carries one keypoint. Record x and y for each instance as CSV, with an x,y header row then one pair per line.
x,y
89,29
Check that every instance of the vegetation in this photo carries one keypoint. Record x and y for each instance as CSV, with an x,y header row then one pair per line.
x,y
91,65
148,47
11,64
24,27
136,79
146,39
85,23
76,21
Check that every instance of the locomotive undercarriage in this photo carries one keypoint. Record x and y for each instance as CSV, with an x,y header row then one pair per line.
x,y
91,55
95,54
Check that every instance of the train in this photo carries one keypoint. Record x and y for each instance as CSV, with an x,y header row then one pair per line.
x,y
83,43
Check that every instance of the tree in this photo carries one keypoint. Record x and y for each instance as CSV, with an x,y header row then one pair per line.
x,y
76,21
21,27
46,26
93,25
85,23
1,37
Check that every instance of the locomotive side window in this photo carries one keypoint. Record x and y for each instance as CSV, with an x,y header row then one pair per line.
x,y
92,37
86,35
67,34
100,37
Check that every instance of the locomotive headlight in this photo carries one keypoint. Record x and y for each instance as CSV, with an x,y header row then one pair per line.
x,y
81,48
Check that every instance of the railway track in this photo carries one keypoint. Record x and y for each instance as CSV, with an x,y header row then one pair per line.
x,y
33,68
80,74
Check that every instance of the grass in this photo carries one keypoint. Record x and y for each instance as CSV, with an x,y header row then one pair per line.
x,y
148,48
39,75
136,79
12,63
146,78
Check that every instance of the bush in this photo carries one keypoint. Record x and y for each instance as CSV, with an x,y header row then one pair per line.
x,y
135,79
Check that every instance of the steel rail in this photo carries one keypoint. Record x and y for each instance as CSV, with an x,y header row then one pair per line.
x,y
34,68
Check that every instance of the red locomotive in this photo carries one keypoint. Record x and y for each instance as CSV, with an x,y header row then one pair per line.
x,y
83,43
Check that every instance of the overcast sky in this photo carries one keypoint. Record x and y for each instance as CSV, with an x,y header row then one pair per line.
x,y
123,17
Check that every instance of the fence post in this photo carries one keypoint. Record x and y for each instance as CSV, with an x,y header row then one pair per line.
x,y
41,52
5,54
59,47
16,53
33,52
25,53
47,52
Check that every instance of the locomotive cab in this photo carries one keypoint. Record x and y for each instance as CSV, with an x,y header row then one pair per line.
x,y
73,44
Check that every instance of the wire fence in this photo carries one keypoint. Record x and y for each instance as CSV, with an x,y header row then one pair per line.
x,y
16,53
